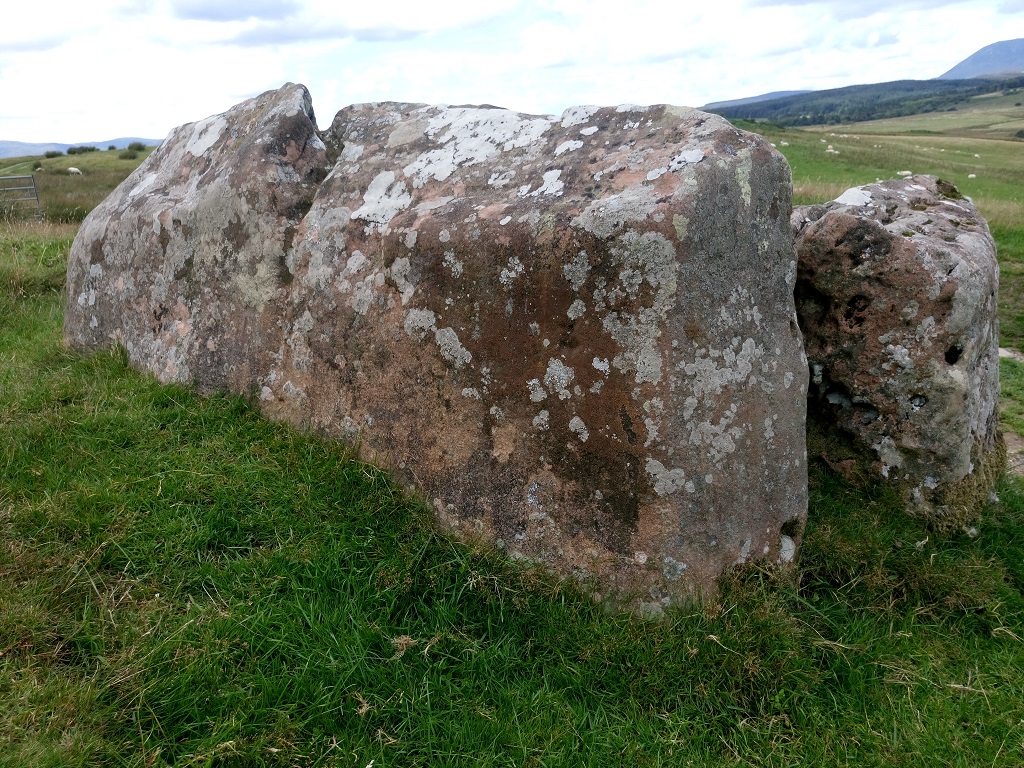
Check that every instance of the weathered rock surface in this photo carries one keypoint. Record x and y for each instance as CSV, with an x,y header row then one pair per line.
x,y
184,263
575,336
896,294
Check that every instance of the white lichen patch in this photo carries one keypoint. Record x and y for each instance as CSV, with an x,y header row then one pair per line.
x,y
147,181
665,480
551,185
685,158
578,115
854,196
383,199
205,134
602,365
719,439
578,428
542,420
470,136
351,152
900,355
713,370
787,549
558,377
576,310
568,146
888,454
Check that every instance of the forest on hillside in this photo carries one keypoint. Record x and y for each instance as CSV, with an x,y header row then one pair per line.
x,y
857,103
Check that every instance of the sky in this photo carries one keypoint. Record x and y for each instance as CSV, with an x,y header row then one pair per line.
x,y
75,72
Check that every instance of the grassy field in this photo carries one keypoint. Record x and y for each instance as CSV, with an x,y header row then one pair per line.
x,y
183,583
992,116
997,188
68,198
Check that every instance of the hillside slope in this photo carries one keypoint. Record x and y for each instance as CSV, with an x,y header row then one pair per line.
x,y
1003,58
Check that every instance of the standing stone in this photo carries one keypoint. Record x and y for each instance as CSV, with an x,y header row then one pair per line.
x,y
184,263
896,294
574,336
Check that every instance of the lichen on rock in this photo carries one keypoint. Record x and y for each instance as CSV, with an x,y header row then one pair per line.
x,y
575,335
897,298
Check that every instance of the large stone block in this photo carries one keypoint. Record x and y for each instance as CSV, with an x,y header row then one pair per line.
x,y
574,336
896,295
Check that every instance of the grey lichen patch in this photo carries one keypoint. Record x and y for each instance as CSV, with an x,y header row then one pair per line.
x,y
558,377
451,348
743,171
603,217
712,371
650,259
512,270
256,290
537,391
399,274
579,428
577,270
664,480
419,321
576,310
719,439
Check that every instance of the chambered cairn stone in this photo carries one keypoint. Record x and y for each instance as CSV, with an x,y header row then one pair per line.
x,y
574,336
896,294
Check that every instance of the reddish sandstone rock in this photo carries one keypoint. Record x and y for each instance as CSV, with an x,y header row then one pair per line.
x,y
184,262
574,336
897,301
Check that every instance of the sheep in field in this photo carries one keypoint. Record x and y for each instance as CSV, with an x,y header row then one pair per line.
x,y
74,172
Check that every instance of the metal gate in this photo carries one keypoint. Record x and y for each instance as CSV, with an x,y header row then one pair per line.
x,y
19,197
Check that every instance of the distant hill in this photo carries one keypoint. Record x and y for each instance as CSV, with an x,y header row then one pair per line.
x,y
857,103
22,148
996,60
753,99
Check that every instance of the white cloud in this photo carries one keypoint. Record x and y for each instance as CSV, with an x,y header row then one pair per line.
x,y
234,10
141,67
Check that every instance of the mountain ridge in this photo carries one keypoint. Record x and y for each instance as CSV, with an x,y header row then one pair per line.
x,y
996,60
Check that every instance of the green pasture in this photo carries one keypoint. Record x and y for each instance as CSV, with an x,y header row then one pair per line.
x,y
183,583
66,197
997,188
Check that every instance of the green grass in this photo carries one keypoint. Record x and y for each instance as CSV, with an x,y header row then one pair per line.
x,y
67,198
184,583
997,190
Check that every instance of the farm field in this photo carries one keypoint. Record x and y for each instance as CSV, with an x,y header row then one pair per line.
x,y
183,583
997,188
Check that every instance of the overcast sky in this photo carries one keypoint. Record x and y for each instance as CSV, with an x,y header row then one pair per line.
x,y
75,71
